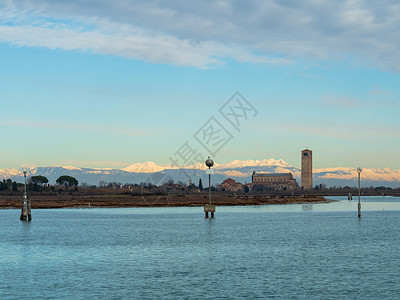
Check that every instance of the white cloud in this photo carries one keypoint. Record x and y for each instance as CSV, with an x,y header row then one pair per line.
x,y
204,33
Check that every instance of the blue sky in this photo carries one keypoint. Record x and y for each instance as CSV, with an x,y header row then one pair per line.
x,y
110,83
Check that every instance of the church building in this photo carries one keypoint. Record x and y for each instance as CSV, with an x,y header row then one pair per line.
x,y
275,181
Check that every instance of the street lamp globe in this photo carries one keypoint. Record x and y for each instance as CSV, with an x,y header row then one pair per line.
x,y
209,162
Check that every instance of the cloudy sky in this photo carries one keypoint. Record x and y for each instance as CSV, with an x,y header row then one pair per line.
x,y
109,83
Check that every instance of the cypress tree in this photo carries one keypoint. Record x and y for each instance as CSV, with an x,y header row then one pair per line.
x,y
14,187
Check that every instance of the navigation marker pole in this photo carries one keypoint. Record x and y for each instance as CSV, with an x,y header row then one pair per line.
x,y
26,205
208,208
359,192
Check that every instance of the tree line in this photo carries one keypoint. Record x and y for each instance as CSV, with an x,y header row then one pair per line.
x,y
9,185
41,183
37,183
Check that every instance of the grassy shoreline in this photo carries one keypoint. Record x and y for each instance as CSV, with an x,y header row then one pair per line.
x,y
64,201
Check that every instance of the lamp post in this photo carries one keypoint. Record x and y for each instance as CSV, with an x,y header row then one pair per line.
x,y
209,208
359,192
24,183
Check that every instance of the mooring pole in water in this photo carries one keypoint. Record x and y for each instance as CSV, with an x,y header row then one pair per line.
x,y
29,209
359,192
208,208
24,209
25,213
209,189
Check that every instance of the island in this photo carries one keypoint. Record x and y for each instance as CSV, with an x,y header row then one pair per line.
x,y
110,200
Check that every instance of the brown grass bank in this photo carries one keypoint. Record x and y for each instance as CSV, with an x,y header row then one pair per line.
x,y
63,201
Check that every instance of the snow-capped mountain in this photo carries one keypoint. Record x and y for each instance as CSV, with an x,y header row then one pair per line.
x,y
147,167
9,173
238,170
253,163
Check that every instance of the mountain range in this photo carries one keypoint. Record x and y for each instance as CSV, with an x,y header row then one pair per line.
x,y
238,170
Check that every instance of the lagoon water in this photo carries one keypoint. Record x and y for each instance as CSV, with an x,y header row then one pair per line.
x,y
313,251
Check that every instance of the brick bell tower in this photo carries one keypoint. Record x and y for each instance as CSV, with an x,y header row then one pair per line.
x,y
306,169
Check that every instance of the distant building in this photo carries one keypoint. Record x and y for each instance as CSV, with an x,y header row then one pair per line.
x,y
230,185
274,181
306,169
192,187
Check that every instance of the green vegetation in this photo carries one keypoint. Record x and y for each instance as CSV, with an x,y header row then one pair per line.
x,y
41,180
3,186
39,186
7,185
67,181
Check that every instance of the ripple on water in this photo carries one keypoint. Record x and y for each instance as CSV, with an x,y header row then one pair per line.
x,y
288,252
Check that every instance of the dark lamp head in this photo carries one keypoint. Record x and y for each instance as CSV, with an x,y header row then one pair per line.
x,y
209,162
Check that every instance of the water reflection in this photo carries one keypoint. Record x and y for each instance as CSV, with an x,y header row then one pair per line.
x,y
25,233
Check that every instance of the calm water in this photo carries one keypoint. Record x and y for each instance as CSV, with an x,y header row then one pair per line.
x,y
320,251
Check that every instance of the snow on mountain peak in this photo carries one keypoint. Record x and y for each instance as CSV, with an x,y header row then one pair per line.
x,y
27,167
236,164
7,173
71,168
147,167
253,163
236,169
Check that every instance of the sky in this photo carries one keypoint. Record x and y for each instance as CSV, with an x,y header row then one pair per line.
x,y
104,84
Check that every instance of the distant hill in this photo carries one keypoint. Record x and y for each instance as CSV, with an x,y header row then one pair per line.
x,y
238,170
